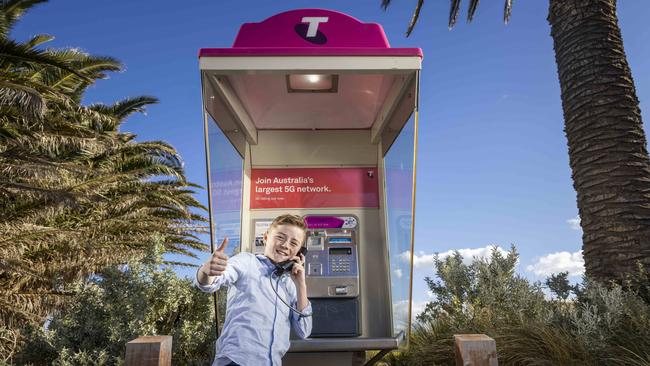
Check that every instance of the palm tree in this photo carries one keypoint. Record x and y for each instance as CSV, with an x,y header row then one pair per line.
x,y
607,145
76,193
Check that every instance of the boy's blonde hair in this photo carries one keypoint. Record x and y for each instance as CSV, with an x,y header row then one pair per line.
x,y
289,219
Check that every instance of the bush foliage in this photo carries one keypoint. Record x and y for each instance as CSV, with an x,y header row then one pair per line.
x,y
120,305
585,324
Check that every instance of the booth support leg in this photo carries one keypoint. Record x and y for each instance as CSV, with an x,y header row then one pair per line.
x,y
377,357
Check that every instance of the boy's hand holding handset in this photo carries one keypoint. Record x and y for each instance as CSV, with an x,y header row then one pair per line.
x,y
298,269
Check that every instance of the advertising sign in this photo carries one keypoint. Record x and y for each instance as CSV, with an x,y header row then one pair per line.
x,y
314,187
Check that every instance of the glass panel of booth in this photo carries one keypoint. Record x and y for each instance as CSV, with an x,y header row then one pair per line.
x,y
398,165
225,187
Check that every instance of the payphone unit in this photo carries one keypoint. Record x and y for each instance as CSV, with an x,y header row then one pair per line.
x,y
332,265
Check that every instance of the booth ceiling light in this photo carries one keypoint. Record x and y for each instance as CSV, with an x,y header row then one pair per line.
x,y
312,83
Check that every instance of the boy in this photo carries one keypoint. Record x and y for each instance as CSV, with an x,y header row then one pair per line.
x,y
257,326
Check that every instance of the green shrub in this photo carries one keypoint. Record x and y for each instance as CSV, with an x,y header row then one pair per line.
x,y
120,305
587,324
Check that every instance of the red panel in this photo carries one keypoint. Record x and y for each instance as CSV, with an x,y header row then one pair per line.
x,y
314,188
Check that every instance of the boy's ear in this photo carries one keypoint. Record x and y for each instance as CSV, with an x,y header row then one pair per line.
x,y
266,235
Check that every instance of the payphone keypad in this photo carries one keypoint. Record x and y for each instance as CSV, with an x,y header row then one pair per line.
x,y
340,259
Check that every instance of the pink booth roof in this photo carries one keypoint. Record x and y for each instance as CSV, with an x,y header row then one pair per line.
x,y
285,34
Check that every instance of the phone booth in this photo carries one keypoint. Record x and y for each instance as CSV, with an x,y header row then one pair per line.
x,y
311,112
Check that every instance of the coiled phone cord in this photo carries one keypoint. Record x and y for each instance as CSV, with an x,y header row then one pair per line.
x,y
280,297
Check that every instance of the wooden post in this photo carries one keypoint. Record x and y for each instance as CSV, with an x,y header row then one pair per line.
x,y
475,350
149,351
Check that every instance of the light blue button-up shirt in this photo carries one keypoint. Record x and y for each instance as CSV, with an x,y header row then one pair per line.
x,y
257,326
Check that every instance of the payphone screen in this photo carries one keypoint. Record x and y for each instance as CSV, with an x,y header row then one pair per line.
x,y
340,251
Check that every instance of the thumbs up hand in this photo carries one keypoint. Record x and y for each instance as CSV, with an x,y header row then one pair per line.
x,y
218,261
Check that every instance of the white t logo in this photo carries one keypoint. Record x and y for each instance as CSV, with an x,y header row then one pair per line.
x,y
313,24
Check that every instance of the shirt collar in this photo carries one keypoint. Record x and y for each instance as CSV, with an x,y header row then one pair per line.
x,y
265,260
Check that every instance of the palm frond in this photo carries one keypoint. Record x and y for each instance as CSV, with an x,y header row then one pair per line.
x,y
11,11
180,264
453,13
124,108
415,17
29,100
38,40
507,10
23,55
94,67
473,4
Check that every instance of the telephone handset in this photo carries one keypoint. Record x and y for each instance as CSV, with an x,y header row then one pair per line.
x,y
280,268
286,266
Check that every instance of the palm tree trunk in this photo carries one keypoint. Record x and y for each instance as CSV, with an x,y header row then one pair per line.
x,y
607,145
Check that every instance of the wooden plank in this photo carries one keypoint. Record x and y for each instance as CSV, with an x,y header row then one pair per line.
x,y
475,350
149,351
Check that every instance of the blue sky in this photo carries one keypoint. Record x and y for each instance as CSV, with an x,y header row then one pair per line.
x,y
492,164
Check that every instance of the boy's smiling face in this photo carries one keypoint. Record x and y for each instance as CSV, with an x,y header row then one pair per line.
x,y
283,242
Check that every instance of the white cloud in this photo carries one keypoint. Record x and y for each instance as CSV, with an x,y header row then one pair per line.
x,y
421,260
418,307
398,273
575,223
400,312
558,262
469,254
